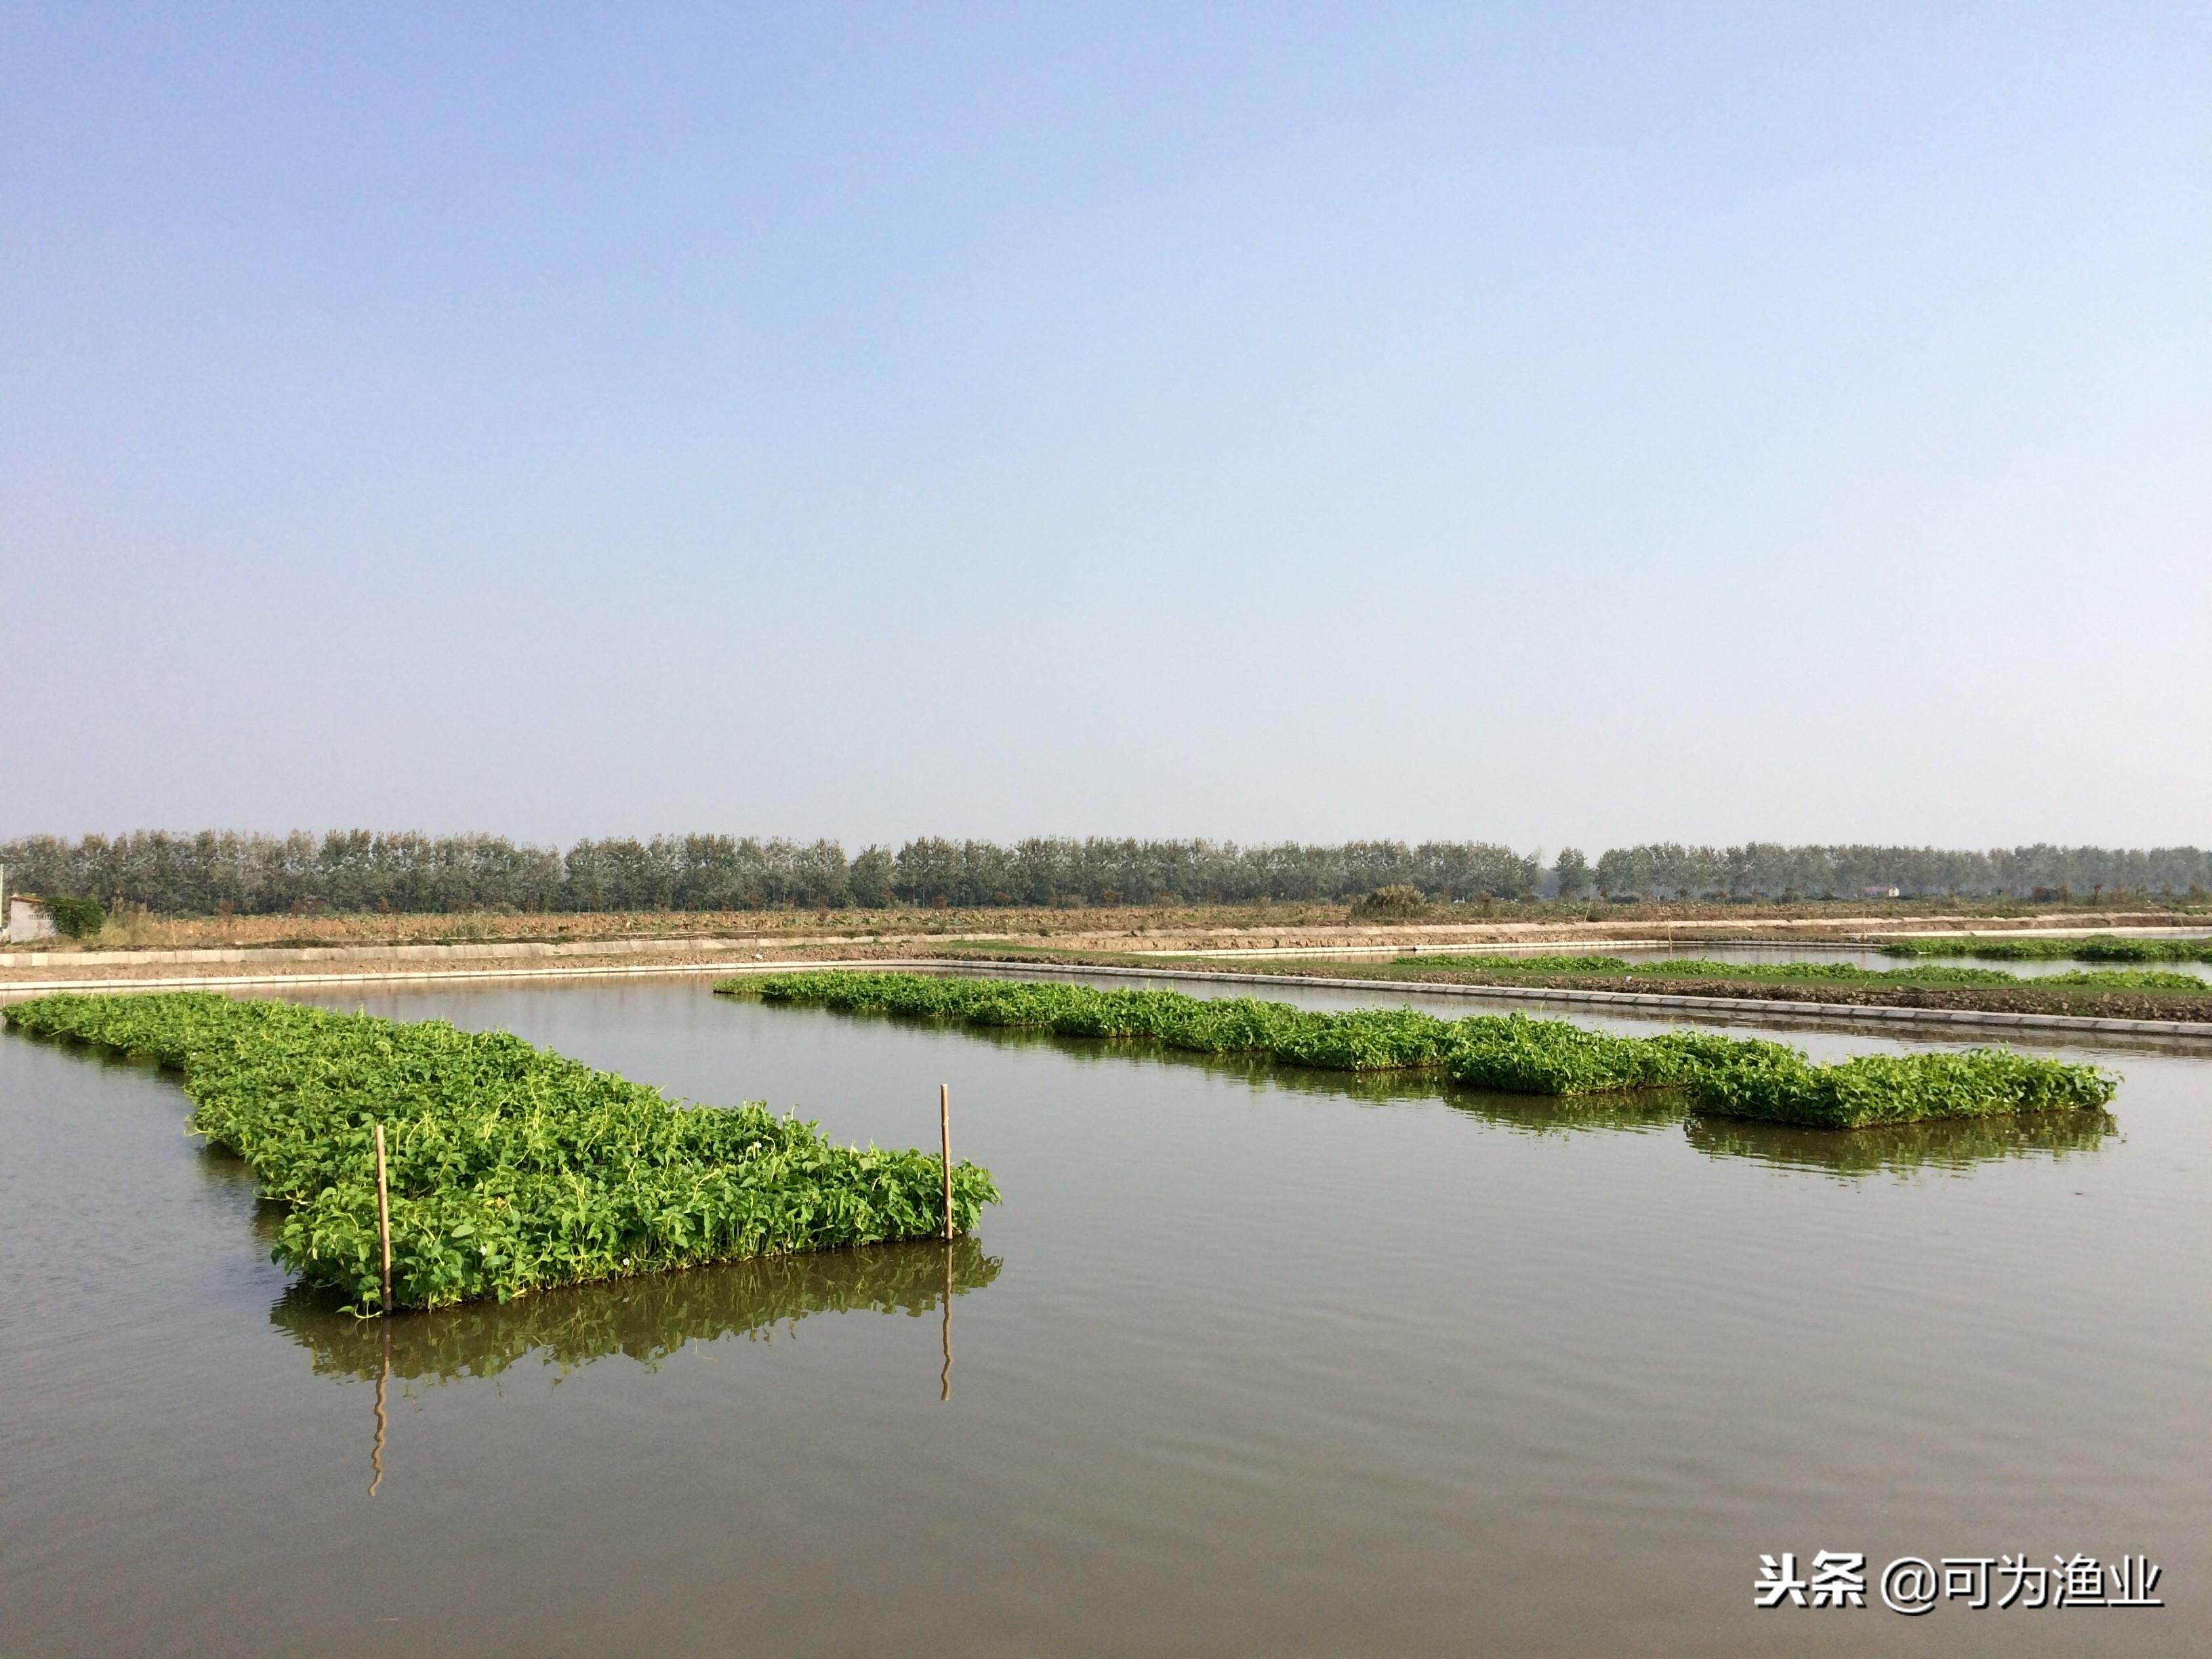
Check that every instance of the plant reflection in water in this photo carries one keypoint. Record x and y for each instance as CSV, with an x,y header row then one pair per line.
x,y
644,1319
1953,1144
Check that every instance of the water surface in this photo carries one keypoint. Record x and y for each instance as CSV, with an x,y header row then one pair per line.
x,y
1250,1362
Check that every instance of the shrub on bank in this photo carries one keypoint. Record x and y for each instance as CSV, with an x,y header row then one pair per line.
x,y
1400,902
77,918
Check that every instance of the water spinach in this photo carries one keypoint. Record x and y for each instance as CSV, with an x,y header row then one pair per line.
x,y
1827,973
2103,947
512,1168
1927,976
1724,1076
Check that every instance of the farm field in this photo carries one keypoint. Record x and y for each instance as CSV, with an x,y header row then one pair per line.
x,y
1307,1346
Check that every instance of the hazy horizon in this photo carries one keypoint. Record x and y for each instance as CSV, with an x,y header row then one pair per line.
x,y
1583,428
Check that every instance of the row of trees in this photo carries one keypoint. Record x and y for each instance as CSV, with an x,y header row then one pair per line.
x,y
1765,870
360,871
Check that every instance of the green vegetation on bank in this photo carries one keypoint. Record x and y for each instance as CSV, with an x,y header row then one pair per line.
x,y
77,918
2122,979
1810,973
2103,947
1731,1076
1830,973
511,1168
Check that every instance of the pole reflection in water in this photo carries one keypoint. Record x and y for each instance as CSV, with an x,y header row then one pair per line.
x,y
645,1319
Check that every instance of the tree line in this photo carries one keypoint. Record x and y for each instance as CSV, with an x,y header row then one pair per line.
x,y
215,872
1765,870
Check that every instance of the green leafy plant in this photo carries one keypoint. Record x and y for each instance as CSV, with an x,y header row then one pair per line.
x,y
1807,973
2102,947
511,1168
1690,968
1729,1076
2127,979
77,918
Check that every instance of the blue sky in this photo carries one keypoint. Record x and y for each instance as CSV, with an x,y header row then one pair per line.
x,y
1548,425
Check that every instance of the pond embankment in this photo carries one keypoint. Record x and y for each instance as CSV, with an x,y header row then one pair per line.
x,y
1453,960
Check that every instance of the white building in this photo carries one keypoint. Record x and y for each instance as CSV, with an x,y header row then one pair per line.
x,y
27,918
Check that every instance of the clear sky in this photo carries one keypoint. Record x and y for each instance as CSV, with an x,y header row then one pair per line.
x,y
1541,423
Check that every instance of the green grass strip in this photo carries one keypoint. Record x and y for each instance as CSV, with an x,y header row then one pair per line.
x,y
1815,973
2103,947
511,1168
1734,1077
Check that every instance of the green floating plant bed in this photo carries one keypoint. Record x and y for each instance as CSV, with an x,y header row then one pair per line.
x,y
1817,973
1723,1076
511,1168
2102,947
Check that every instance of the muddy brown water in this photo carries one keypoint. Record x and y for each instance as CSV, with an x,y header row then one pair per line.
x,y
1249,1362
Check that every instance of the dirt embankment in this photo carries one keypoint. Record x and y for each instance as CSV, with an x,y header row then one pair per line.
x,y
1125,926
278,965
625,952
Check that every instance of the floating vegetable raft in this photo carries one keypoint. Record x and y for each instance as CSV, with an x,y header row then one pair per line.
x,y
512,1168
1815,973
1723,1076
2102,947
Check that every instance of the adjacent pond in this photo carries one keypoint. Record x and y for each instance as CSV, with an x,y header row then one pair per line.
x,y
1249,1362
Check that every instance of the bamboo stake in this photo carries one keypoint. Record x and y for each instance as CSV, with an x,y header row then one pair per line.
x,y
945,1376
945,1128
384,1218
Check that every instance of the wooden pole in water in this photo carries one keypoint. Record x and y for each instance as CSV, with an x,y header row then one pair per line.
x,y
384,1218
944,1130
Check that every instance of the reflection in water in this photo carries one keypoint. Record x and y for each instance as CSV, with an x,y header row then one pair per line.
x,y
1536,1113
645,1318
383,1381
1943,1143
1954,1143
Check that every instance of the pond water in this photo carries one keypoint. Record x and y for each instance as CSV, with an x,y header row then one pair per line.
x,y
1249,1362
